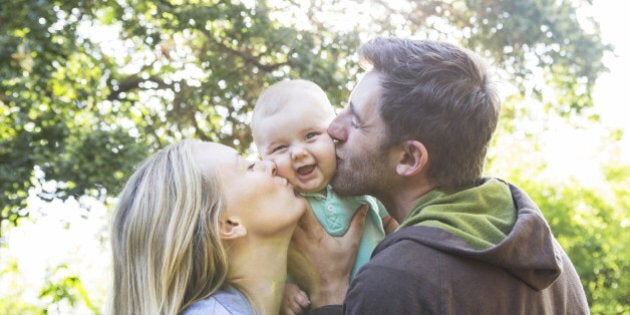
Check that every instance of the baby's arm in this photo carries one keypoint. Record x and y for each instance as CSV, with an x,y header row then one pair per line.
x,y
389,224
294,300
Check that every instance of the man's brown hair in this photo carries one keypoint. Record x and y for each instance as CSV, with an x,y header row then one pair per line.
x,y
438,94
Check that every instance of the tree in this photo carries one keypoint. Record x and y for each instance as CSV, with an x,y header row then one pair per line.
x,y
79,113
590,222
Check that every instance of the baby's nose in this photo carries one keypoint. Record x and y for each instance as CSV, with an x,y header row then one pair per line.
x,y
298,152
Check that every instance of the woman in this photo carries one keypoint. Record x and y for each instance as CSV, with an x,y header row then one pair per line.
x,y
198,229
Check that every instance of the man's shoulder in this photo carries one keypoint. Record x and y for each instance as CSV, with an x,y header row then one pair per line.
x,y
415,252
399,252
407,262
401,267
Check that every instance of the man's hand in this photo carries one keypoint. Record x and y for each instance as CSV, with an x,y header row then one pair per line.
x,y
322,263
294,301
389,224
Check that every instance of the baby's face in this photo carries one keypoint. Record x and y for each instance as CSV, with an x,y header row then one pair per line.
x,y
296,140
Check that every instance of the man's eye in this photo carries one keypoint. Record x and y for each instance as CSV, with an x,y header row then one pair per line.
x,y
354,122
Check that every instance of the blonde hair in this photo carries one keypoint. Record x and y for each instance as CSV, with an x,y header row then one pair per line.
x,y
167,252
278,95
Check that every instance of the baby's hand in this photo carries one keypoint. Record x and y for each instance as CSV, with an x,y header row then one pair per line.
x,y
294,300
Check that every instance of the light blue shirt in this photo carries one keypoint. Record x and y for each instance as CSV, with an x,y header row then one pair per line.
x,y
334,213
224,302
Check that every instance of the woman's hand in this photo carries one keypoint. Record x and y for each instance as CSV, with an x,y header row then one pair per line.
x,y
322,263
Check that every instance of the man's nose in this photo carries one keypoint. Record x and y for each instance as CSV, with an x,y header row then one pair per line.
x,y
337,128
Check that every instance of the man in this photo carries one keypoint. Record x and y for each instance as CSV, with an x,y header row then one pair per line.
x,y
415,135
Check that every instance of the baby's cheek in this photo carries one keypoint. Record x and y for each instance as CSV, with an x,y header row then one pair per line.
x,y
284,167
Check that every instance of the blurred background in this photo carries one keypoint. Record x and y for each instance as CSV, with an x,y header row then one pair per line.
x,y
90,88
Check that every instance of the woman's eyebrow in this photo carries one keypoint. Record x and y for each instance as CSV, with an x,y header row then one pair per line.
x,y
239,159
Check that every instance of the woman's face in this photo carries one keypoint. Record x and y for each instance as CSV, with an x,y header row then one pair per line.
x,y
263,202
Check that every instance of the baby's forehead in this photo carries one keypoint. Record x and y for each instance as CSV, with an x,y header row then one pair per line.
x,y
301,100
302,109
285,128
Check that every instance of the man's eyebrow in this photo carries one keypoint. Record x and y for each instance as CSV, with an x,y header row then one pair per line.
x,y
354,113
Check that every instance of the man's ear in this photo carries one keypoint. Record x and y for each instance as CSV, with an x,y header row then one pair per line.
x,y
413,159
232,228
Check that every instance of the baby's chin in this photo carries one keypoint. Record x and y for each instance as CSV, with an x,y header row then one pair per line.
x,y
310,190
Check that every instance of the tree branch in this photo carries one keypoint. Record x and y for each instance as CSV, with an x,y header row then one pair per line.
x,y
250,59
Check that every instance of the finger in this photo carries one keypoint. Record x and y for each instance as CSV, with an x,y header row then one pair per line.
x,y
302,299
308,221
295,308
289,302
301,232
302,238
287,308
356,225
299,236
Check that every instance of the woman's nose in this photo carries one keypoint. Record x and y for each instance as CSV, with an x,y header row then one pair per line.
x,y
269,167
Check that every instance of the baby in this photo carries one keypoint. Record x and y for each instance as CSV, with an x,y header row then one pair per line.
x,y
289,127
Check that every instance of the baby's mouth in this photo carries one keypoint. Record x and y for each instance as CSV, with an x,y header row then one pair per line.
x,y
305,170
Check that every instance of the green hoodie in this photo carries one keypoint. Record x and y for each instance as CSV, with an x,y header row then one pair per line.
x,y
482,215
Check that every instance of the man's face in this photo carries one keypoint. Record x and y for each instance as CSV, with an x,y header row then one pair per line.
x,y
363,166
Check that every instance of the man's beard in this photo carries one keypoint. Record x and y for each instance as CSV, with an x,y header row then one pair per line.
x,y
363,175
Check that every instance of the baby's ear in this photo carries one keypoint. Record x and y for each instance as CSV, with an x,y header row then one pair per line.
x,y
232,228
413,158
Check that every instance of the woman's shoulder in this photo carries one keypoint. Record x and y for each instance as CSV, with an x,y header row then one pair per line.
x,y
209,305
224,302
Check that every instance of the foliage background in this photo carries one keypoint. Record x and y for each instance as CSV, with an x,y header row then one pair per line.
x,y
90,88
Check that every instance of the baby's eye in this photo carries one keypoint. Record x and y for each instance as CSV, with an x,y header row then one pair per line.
x,y
311,135
251,166
278,148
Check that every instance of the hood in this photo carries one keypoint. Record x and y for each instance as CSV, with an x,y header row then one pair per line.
x,y
529,251
481,215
